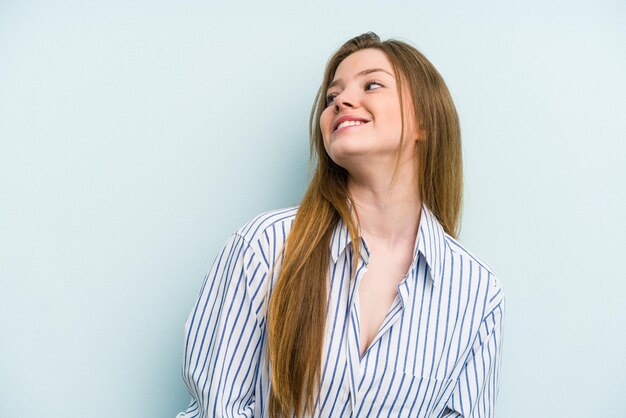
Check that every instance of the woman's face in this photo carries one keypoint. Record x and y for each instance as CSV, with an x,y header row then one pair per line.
x,y
362,121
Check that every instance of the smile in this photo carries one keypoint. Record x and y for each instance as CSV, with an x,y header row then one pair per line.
x,y
349,124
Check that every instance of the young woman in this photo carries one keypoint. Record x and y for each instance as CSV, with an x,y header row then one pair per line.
x,y
359,302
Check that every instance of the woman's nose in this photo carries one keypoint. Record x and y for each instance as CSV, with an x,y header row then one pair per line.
x,y
343,101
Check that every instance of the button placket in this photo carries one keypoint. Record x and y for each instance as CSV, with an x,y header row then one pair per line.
x,y
353,354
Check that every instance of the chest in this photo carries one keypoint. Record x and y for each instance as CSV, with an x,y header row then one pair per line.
x,y
381,340
378,289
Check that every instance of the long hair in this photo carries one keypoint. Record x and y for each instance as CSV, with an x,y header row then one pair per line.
x,y
297,307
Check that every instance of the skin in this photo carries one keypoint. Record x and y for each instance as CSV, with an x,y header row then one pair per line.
x,y
389,212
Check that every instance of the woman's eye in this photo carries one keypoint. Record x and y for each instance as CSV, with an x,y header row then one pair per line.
x,y
372,83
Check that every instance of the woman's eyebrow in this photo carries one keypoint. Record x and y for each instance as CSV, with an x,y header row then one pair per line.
x,y
360,74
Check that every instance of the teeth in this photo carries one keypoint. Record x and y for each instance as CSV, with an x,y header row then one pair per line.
x,y
350,123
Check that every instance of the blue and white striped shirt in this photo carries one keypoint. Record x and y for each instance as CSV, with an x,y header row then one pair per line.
x,y
437,353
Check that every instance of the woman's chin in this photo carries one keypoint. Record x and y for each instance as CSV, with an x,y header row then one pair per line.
x,y
346,148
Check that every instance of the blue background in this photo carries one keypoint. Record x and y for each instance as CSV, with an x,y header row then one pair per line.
x,y
135,136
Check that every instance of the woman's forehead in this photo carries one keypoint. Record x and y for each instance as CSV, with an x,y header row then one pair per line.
x,y
361,63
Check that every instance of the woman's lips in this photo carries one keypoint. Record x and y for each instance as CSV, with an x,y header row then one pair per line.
x,y
348,127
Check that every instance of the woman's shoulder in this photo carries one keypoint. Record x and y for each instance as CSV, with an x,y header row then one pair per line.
x,y
493,283
461,250
268,231
259,225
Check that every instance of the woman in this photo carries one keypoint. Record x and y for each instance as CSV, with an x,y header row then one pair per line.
x,y
359,302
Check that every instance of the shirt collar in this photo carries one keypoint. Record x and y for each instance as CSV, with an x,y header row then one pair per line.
x,y
430,242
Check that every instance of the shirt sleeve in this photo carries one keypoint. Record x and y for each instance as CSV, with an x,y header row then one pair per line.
x,y
223,337
476,389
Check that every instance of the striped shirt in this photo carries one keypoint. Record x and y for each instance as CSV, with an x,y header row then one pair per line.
x,y
436,354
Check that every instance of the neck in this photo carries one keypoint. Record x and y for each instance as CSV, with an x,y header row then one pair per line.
x,y
388,212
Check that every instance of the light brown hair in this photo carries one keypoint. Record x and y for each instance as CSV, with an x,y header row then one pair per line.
x,y
297,307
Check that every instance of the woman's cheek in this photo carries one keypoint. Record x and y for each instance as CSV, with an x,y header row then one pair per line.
x,y
325,122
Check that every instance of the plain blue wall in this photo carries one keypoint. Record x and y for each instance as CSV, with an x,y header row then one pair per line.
x,y
136,136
